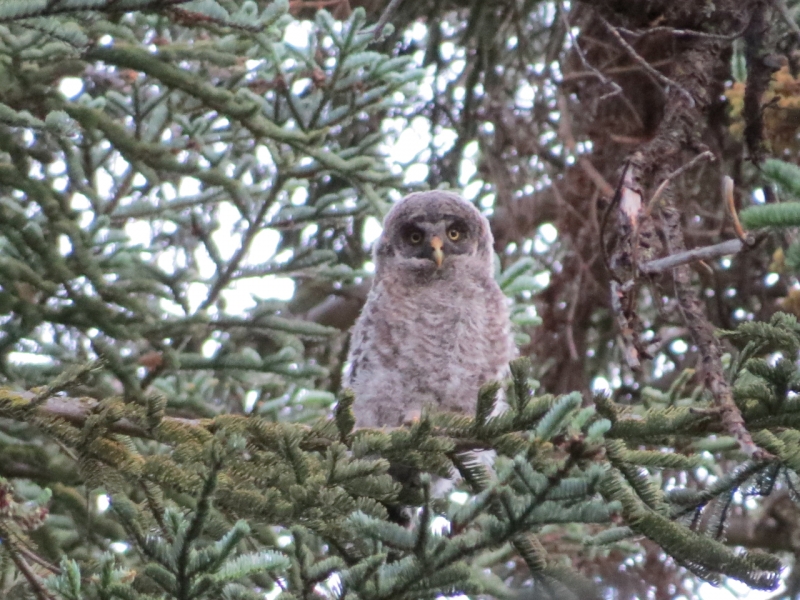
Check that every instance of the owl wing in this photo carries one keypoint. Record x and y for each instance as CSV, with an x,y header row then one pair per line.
x,y
361,339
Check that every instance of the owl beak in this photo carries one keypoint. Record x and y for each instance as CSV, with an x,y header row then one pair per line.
x,y
438,255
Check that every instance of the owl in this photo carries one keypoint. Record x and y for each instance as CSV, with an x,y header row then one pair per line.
x,y
435,326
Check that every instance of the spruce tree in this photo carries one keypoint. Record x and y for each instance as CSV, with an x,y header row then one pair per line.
x,y
188,194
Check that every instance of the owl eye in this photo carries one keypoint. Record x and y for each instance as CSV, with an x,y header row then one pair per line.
x,y
454,234
415,237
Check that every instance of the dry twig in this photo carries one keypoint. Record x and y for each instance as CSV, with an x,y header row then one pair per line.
x,y
707,342
682,33
619,293
646,65
565,133
615,87
727,182
384,18
39,590
707,155
787,17
682,258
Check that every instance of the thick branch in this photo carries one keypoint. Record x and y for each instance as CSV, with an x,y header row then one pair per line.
x,y
77,410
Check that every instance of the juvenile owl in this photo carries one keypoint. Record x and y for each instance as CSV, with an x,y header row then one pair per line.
x,y
435,326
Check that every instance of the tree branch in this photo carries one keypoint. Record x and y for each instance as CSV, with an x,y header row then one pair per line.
x,y
681,258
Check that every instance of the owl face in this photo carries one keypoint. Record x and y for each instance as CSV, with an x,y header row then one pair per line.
x,y
434,235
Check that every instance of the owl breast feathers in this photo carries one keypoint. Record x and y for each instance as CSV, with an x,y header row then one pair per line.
x,y
435,326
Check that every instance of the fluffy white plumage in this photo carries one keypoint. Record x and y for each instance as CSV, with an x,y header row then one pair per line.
x,y
435,326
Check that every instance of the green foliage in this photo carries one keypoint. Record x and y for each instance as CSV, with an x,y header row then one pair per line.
x,y
170,428
241,501
180,566
320,491
785,175
556,416
188,154
519,280
787,214
701,554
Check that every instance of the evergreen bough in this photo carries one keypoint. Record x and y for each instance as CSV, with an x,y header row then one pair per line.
x,y
191,114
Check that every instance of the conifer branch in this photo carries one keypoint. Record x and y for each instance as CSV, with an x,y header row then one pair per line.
x,y
137,145
44,8
23,567
254,226
246,112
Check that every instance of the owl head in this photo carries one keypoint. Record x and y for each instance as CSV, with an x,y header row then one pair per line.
x,y
434,235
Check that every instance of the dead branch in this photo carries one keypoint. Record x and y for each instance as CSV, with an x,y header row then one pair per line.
x,y
573,350
681,33
646,65
682,258
708,344
629,349
615,87
787,17
727,183
385,17
37,585
565,133
707,155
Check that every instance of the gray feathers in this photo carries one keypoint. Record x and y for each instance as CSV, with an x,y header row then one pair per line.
x,y
428,334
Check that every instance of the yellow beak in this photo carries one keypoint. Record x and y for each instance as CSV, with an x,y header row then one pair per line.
x,y
438,255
